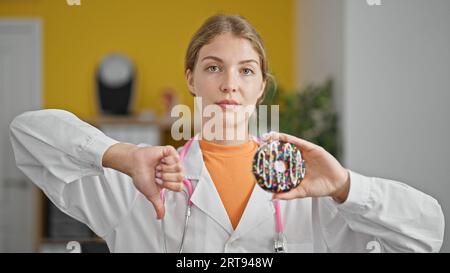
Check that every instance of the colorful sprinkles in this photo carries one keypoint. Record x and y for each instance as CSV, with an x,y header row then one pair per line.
x,y
278,166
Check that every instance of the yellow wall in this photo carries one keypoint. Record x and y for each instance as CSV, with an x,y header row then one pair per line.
x,y
154,34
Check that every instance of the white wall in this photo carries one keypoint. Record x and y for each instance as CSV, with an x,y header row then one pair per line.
x,y
319,45
395,87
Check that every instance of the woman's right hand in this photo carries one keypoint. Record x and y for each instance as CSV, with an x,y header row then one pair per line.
x,y
151,168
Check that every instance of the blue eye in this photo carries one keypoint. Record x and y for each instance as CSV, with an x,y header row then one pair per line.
x,y
247,71
213,68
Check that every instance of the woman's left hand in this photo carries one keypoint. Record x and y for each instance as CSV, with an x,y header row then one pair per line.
x,y
324,175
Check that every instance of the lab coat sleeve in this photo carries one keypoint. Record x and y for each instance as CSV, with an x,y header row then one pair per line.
x,y
381,215
62,155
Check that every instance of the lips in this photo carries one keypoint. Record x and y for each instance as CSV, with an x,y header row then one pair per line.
x,y
228,104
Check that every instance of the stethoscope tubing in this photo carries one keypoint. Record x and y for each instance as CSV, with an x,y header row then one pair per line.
x,y
279,229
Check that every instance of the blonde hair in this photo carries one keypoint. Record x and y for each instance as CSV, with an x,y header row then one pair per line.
x,y
237,25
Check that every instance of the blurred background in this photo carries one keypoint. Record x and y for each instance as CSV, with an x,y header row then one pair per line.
x,y
368,80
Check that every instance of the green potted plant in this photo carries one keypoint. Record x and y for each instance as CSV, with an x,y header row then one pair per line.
x,y
308,113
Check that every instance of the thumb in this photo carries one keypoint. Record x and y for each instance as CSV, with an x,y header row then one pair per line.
x,y
169,151
157,203
298,192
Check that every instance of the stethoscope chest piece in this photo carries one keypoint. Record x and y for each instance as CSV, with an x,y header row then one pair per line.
x,y
280,243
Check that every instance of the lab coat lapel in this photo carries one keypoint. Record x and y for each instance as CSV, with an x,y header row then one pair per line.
x,y
205,195
259,208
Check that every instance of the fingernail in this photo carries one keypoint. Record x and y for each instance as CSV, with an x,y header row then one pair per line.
x,y
159,181
158,174
158,168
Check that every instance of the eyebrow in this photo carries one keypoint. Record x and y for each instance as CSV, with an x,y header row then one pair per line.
x,y
220,60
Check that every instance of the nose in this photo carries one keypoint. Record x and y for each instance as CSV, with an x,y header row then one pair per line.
x,y
229,83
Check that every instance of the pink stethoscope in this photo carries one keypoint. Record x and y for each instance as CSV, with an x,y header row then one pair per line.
x,y
280,242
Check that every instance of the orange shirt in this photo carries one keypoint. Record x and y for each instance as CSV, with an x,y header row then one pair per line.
x,y
230,168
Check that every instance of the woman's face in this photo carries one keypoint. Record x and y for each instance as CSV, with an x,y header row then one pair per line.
x,y
228,74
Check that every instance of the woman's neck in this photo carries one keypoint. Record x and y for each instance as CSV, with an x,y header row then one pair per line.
x,y
236,138
226,142
235,134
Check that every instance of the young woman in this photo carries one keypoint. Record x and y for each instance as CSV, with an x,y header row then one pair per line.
x,y
108,185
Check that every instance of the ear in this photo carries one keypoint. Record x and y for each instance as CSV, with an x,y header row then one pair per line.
x,y
190,81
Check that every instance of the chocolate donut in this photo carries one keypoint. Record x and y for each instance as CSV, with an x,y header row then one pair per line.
x,y
278,166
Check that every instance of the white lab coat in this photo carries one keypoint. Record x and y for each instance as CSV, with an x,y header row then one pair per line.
x,y
63,156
